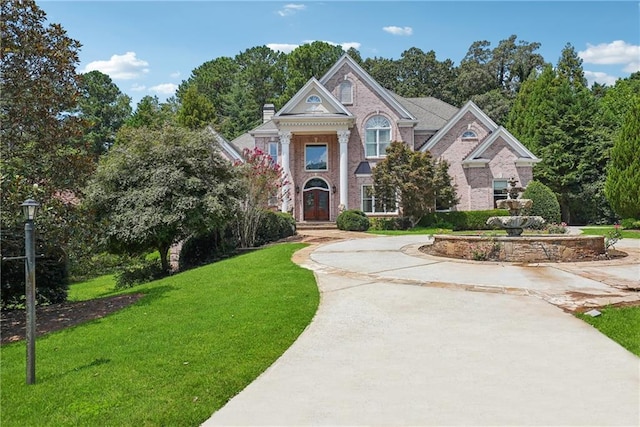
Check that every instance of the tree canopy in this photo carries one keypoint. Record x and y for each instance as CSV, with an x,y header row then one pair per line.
x,y
412,181
156,187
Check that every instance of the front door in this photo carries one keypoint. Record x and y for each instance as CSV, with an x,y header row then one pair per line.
x,y
316,200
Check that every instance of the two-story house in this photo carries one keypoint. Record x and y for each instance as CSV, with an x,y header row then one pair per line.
x,y
331,134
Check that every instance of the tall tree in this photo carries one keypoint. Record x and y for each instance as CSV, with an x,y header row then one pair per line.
x,y
156,187
196,111
104,108
421,74
554,116
42,152
623,179
306,61
151,113
413,181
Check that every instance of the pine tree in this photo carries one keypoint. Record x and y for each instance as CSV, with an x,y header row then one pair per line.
x,y
622,186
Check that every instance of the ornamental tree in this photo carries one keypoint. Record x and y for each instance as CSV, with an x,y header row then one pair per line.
x,y
261,184
157,187
413,181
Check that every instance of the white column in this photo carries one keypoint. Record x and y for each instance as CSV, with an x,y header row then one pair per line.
x,y
285,139
343,139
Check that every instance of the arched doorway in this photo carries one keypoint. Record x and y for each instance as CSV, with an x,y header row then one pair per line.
x,y
315,198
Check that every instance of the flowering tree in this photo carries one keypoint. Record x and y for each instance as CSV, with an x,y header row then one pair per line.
x,y
262,184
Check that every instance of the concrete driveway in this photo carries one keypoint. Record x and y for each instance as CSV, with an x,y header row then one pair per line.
x,y
405,339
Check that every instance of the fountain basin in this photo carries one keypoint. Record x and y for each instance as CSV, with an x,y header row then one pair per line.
x,y
526,249
515,225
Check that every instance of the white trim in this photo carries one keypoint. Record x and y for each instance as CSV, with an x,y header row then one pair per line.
x,y
510,140
304,92
225,146
469,107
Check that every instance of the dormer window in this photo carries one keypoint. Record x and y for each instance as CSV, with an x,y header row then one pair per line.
x,y
346,92
314,99
469,135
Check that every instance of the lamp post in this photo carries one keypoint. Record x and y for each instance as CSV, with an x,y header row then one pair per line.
x,y
29,210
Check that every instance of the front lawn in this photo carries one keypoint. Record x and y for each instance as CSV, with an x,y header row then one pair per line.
x,y
621,324
190,344
605,230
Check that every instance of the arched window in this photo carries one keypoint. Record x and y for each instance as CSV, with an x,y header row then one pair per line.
x,y
314,99
346,92
469,134
377,136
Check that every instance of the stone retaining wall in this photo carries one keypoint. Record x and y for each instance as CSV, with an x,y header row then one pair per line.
x,y
519,249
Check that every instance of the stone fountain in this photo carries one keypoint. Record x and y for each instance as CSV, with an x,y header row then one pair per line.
x,y
515,247
515,223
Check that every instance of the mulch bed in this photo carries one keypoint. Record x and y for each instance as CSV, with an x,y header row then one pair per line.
x,y
55,317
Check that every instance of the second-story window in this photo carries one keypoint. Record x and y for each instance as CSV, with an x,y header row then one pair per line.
x,y
377,136
346,92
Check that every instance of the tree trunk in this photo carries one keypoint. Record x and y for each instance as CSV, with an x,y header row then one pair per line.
x,y
164,254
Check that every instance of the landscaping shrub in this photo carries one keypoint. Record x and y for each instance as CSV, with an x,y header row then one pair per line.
x,y
461,220
205,248
52,276
630,224
394,223
275,226
352,220
141,272
545,202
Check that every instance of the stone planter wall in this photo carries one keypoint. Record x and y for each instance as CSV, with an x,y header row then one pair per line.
x,y
519,249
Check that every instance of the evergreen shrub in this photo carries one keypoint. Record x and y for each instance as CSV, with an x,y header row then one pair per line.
x,y
545,202
352,220
141,272
630,224
393,223
52,275
461,220
206,248
275,226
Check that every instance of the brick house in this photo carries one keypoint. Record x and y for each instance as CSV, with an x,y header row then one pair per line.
x,y
333,131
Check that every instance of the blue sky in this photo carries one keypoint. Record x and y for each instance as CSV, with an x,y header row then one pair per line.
x,y
150,47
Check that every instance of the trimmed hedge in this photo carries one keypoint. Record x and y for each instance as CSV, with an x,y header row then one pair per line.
x,y
545,202
352,220
630,224
461,220
275,226
393,223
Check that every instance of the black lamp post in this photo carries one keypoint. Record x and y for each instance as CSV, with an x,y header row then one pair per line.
x,y
29,210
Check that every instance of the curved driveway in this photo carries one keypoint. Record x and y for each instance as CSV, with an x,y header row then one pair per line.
x,y
401,338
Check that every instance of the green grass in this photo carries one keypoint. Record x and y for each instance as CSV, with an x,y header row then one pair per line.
x,y
603,230
415,230
194,341
94,288
620,324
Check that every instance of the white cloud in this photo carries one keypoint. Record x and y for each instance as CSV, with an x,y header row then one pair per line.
x,y
138,88
175,75
600,77
282,47
348,45
616,52
122,67
398,31
290,9
164,88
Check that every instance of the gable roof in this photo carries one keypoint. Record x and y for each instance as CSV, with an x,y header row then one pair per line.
x,y
431,113
225,146
469,107
313,85
363,75
526,156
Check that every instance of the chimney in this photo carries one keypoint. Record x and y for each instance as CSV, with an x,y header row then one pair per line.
x,y
267,112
